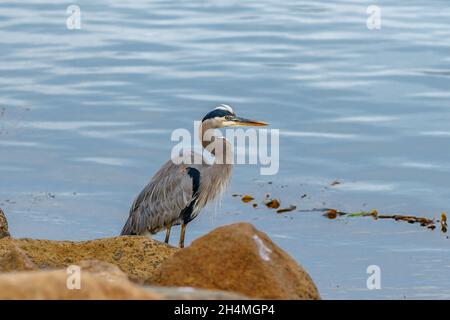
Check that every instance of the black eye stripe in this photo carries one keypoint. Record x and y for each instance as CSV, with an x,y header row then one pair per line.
x,y
217,113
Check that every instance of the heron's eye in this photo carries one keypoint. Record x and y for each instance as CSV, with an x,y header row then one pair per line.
x,y
228,117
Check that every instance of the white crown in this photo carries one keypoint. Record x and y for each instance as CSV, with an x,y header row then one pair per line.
x,y
225,107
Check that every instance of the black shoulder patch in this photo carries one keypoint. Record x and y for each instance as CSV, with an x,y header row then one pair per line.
x,y
186,213
195,175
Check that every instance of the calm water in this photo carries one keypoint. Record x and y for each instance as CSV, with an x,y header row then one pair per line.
x,y
86,117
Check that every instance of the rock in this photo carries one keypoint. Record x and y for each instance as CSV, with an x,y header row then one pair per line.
x,y
241,259
189,293
14,260
3,225
113,273
52,285
138,257
232,262
103,270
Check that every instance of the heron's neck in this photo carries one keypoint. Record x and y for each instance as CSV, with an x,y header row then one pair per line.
x,y
216,145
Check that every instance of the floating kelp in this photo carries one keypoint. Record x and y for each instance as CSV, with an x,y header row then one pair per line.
x,y
288,209
333,213
335,183
247,198
268,202
273,203
423,221
372,213
443,222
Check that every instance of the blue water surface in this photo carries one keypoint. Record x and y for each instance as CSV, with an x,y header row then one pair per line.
x,y
86,117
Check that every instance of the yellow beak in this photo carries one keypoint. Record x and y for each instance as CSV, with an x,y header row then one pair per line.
x,y
241,122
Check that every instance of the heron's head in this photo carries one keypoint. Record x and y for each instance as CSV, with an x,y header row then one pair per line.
x,y
224,116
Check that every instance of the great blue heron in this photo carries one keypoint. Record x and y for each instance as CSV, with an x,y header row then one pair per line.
x,y
178,191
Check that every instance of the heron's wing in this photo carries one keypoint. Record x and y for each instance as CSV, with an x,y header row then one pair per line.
x,y
161,202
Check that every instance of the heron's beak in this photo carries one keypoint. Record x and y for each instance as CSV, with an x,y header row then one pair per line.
x,y
241,122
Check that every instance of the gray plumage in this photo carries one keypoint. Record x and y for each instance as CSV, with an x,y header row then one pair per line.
x,y
180,190
170,191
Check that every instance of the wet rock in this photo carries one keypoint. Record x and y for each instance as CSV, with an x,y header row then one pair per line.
x,y
51,285
3,225
238,258
138,257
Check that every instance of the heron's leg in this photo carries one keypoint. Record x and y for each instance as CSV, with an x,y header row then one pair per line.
x,y
183,232
168,227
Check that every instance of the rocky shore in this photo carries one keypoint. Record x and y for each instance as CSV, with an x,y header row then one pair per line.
x,y
232,262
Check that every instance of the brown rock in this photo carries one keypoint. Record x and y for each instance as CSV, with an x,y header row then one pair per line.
x,y
138,257
52,285
103,270
242,259
189,293
99,280
14,260
3,225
